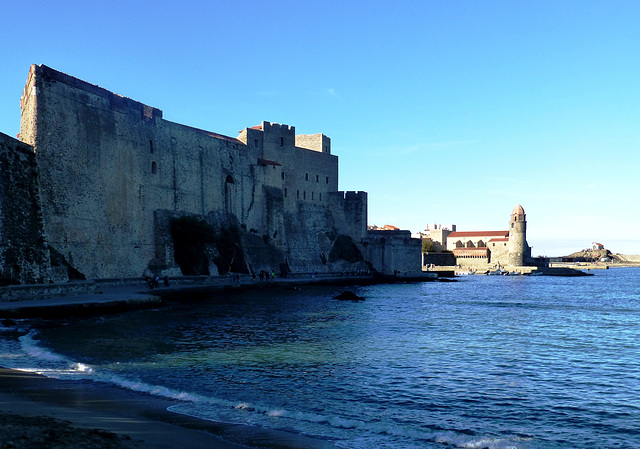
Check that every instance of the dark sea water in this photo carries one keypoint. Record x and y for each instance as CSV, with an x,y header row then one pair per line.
x,y
484,362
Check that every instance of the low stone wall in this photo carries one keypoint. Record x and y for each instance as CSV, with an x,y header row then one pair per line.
x,y
635,259
35,291
440,259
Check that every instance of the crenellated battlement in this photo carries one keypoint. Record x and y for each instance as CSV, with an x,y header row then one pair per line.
x,y
278,128
269,134
352,195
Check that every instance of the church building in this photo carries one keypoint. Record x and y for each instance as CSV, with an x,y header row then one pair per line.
x,y
492,248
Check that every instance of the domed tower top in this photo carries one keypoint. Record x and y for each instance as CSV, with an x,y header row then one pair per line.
x,y
518,210
517,214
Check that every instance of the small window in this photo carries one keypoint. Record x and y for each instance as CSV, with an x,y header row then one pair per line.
x,y
320,196
304,195
283,174
306,176
151,146
285,192
154,168
327,180
298,194
281,141
317,178
255,142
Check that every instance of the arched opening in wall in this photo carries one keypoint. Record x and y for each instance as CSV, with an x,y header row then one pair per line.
x,y
459,244
481,244
470,244
154,168
229,194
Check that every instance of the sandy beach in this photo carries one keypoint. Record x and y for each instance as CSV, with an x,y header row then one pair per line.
x,y
39,412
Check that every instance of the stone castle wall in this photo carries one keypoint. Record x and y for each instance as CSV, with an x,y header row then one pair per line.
x,y
113,171
24,256
394,251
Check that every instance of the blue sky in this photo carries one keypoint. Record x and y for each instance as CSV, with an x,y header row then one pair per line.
x,y
444,111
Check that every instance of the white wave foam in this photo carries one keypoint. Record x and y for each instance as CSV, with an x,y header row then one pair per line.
x,y
34,358
478,442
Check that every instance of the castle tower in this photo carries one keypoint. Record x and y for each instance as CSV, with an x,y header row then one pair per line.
x,y
518,237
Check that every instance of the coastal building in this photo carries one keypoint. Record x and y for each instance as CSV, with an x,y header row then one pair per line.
x,y
484,249
437,235
113,190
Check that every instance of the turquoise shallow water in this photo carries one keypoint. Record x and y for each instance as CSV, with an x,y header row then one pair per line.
x,y
488,361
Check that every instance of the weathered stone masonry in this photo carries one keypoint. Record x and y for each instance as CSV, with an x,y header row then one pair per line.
x,y
114,173
24,257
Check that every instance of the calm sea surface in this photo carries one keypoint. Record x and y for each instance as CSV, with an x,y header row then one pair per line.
x,y
488,361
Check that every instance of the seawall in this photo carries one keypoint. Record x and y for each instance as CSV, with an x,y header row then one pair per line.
x,y
119,295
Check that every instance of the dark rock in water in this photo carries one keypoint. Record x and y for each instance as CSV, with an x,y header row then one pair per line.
x,y
8,322
348,296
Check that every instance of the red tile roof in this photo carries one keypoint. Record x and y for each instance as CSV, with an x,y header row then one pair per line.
x,y
499,240
479,234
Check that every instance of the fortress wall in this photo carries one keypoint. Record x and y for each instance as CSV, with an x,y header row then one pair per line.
x,y
91,147
107,166
304,174
307,237
394,251
309,176
24,256
350,210
110,164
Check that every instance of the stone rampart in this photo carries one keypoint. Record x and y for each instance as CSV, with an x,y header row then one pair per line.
x,y
24,256
393,252
111,168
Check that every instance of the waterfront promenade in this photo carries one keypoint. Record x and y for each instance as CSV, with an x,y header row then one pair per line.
x,y
92,297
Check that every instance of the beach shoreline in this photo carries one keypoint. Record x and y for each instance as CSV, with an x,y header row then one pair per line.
x,y
87,414
126,418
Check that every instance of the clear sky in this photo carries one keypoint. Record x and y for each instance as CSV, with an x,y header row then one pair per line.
x,y
444,111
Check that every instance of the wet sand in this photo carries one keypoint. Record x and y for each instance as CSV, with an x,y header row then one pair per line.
x,y
36,411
